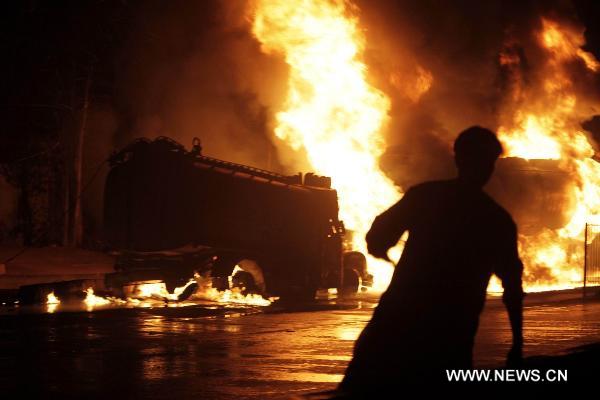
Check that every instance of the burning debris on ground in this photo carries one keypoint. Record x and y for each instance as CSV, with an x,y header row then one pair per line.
x,y
155,294
234,154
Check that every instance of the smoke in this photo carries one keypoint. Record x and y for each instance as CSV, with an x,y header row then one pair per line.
x,y
460,46
192,69
183,70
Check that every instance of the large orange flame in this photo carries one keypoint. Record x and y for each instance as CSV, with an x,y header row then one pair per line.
x,y
333,114
331,110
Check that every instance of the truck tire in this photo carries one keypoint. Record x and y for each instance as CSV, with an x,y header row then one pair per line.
x,y
253,273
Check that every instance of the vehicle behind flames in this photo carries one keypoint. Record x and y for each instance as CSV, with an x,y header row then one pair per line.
x,y
170,213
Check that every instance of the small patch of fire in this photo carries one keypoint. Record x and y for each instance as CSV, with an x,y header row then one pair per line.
x,y
52,302
52,299
91,300
235,294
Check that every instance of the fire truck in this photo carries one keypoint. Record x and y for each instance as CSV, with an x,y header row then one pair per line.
x,y
170,213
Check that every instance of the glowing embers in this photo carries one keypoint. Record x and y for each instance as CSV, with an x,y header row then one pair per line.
x,y
331,112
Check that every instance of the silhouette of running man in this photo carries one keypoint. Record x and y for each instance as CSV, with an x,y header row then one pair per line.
x,y
426,321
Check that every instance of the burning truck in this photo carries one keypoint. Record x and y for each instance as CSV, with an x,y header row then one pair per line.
x,y
170,213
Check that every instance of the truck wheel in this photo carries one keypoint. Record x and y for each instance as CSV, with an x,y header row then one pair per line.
x,y
252,272
245,282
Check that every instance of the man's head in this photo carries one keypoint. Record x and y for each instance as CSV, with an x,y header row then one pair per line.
x,y
475,152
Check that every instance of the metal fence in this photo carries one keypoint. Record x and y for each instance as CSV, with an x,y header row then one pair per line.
x,y
591,270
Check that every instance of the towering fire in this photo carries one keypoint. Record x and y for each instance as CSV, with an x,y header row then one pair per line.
x,y
331,110
543,121
333,114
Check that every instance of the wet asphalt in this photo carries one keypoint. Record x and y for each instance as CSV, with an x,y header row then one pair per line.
x,y
228,351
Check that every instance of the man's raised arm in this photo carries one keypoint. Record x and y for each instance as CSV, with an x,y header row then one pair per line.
x,y
390,225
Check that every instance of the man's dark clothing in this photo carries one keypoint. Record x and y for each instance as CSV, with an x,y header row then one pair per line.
x,y
426,320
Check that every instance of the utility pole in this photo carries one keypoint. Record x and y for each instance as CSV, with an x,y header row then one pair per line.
x,y
77,237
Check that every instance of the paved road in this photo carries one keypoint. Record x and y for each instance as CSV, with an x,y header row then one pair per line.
x,y
206,351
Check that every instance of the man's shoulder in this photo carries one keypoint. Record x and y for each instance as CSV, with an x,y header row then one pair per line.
x,y
430,187
500,213
436,191
439,189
